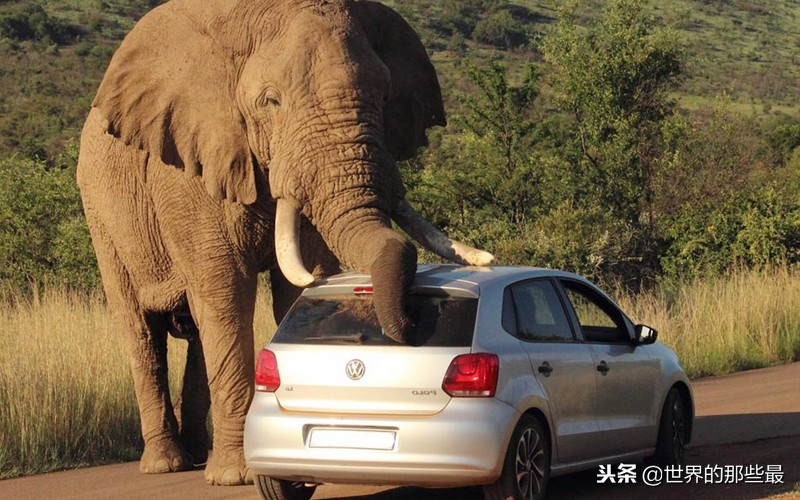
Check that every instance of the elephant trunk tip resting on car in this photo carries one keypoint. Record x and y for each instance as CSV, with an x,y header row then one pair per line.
x,y
233,137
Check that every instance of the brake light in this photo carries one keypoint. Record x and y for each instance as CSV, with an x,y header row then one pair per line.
x,y
472,376
363,290
267,377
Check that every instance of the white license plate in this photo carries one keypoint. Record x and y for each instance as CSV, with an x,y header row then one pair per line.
x,y
360,439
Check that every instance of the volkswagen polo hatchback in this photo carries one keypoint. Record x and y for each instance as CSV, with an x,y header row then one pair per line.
x,y
512,375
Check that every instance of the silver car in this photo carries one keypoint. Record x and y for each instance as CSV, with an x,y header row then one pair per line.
x,y
514,374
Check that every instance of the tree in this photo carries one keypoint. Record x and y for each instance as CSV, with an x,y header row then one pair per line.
x,y
614,79
482,173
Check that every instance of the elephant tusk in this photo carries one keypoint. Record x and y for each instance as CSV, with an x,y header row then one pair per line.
x,y
434,240
287,248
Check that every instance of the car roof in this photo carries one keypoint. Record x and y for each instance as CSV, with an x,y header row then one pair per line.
x,y
450,276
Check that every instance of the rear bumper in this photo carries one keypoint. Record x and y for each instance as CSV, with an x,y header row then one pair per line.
x,y
462,445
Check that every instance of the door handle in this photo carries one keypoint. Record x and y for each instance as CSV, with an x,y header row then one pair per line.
x,y
545,369
603,367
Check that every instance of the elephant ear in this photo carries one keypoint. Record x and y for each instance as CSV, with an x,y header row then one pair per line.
x,y
415,103
169,91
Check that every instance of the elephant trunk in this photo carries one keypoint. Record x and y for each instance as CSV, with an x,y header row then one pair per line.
x,y
364,240
352,214
392,273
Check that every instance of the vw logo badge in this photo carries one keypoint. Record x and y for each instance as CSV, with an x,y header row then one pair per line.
x,y
355,369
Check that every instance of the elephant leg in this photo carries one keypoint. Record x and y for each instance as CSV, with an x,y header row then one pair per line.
x,y
163,451
195,400
146,338
195,403
225,319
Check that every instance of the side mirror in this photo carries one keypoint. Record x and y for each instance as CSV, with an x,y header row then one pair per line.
x,y
645,335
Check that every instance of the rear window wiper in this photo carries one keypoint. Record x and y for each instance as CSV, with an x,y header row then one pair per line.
x,y
355,338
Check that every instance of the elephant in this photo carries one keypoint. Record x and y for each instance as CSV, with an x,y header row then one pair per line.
x,y
233,137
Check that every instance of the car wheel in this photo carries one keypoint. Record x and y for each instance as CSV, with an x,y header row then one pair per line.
x,y
672,431
526,468
280,489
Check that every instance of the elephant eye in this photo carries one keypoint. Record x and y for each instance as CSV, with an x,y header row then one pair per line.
x,y
270,97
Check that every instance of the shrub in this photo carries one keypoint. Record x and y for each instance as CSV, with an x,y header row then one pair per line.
x,y
501,30
754,229
29,21
43,236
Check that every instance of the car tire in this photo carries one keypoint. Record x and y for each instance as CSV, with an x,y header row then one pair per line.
x,y
672,431
526,467
281,489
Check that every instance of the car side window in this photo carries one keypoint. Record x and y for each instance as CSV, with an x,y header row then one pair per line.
x,y
600,321
532,311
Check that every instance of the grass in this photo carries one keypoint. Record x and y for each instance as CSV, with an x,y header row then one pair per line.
x,y
749,319
66,396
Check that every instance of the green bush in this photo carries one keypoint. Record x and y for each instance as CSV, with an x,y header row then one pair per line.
x,y
782,135
752,229
28,21
43,235
501,30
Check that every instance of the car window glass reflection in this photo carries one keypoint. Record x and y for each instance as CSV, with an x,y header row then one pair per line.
x,y
596,317
343,319
539,313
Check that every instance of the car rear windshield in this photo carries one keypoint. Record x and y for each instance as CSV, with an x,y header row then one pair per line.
x,y
439,320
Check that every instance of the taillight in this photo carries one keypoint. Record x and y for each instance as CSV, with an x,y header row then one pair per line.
x,y
267,377
472,376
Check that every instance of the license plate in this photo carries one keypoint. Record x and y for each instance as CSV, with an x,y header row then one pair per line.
x,y
360,439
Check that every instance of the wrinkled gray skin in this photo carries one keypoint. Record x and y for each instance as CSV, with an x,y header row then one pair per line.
x,y
208,113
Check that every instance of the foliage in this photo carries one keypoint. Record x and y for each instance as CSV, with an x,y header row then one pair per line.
x,y
501,30
711,155
753,229
614,80
782,135
582,160
21,21
483,174
43,236
724,202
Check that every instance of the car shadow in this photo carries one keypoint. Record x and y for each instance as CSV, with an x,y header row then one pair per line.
x,y
727,429
720,440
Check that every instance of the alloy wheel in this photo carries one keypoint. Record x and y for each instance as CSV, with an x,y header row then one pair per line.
x,y
678,424
530,464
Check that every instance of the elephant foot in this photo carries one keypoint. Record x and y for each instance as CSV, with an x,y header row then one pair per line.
x,y
164,456
227,469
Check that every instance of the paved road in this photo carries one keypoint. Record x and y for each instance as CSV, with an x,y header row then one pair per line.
x,y
749,418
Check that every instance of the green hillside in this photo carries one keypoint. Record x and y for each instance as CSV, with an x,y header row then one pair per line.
x,y
50,68
629,140
747,49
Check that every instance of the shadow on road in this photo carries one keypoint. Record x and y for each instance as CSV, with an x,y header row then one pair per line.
x,y
722,429
726,429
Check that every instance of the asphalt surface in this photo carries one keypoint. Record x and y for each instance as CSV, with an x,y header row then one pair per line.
x,y
749,419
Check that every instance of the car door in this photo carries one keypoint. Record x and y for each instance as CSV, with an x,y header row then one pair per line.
x,y
625,374
534,312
